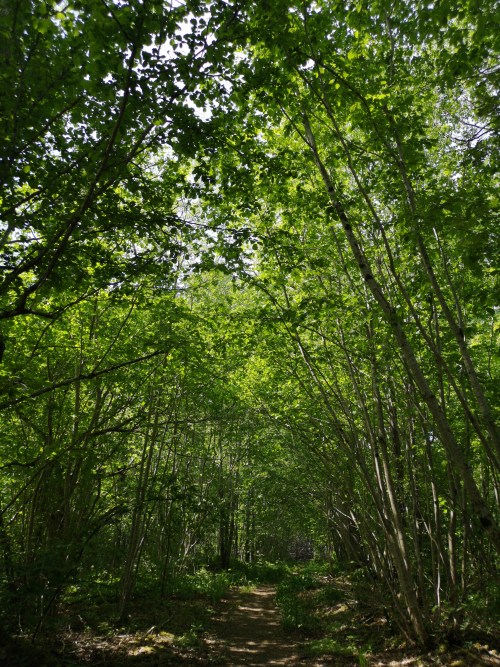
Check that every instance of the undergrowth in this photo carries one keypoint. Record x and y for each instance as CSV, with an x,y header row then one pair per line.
x,y
213,585
258,572
329,613
337,618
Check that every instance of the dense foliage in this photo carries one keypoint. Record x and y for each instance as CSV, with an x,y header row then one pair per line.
x,y
249,298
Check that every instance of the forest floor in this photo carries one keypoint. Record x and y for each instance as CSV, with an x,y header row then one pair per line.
x,y
244,629
248,631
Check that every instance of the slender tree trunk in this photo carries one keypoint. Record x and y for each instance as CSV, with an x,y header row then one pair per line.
x,y
455,454
138,515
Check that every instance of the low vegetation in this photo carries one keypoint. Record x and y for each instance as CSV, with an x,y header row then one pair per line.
x,y
326,614
337,620
249,313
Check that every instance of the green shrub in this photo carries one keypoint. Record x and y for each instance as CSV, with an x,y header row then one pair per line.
x,y
330,595
212,584
261,572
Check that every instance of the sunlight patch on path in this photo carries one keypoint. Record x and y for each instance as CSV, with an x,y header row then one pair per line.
x,y
250,632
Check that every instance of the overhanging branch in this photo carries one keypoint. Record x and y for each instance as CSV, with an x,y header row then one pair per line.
x,y
78,378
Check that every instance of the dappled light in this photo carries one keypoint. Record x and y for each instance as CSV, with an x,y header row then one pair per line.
x,y
249,333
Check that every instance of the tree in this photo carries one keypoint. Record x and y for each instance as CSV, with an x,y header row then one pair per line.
x,y
249,254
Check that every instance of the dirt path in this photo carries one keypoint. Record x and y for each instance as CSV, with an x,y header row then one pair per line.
x,y
248,631
245,631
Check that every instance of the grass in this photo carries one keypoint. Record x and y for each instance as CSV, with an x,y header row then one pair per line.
x,y
297,608
331,616
172,627
320,610
328,646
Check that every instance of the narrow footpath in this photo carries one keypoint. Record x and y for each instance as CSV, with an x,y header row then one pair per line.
x,y
248,631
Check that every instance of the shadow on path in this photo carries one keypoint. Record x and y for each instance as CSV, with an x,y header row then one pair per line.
x,y
249,633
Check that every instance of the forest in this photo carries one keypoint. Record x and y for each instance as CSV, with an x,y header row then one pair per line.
x,y
249,326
